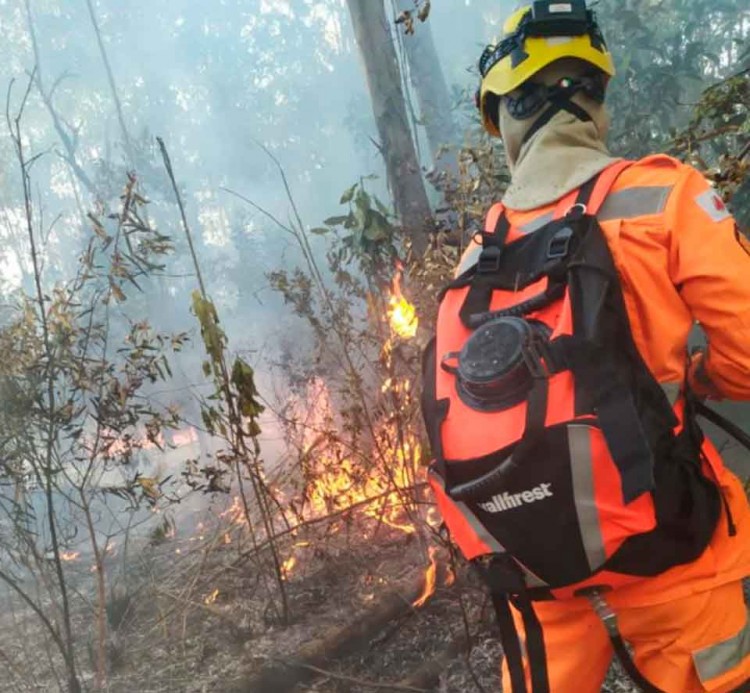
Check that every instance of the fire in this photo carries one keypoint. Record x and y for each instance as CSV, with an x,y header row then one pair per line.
x,y
402,315
68,556
235,513
211,598
430,580
337,480
287,567
450,577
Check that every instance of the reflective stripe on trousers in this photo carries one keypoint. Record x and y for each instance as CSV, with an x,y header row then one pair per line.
x,y
717,660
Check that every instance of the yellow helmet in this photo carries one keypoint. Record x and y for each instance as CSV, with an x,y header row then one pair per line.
x,y
535,36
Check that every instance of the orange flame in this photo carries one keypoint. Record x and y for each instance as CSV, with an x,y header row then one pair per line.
x,y
287,567
402,315
211,598
68,556
235,513
336,480
450,577
430,580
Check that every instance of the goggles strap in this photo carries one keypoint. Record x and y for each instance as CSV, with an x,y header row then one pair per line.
x,y
551,112
562,101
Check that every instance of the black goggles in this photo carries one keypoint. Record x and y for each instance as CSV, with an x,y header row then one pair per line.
x,y
532,97
547,18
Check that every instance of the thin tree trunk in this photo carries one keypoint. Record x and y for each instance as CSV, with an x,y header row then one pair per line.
x,y
101,596
373,34
67,139
127,142
50,405
427,79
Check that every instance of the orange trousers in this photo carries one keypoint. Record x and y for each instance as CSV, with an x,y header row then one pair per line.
x,y
690,645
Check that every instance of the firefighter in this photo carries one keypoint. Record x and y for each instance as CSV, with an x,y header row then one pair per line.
x,y
681,259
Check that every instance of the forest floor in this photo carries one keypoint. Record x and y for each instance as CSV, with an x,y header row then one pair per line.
x,y
205,623
193,613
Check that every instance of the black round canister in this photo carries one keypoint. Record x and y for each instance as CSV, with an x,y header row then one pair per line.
x,y
492,372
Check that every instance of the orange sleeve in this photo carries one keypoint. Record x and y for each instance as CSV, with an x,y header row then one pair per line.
x,y
710,266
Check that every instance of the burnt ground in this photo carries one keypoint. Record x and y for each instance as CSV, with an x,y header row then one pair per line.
x,y
202,621
195,615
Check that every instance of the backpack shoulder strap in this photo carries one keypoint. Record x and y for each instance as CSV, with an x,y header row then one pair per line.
x,y
496,226
592,194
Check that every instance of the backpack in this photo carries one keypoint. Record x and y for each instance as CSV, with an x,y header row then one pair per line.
x,y
560,466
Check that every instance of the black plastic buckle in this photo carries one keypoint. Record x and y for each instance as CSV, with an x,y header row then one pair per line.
x,y
489,259
559,245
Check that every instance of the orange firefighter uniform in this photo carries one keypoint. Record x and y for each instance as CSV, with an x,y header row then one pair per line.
x,y
681,260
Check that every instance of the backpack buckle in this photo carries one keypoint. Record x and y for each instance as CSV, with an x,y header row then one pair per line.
x,y
489,259
559,245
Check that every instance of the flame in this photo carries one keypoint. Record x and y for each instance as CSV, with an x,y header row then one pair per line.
x,y
68,556
211,598
288,566
450,577
430,580
235,513
337,480
402,315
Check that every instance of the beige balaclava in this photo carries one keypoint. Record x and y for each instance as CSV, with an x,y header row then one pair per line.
x,y
562,155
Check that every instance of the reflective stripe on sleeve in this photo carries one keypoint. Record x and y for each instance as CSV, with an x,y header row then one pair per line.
x,y
716,660
579,444
635,202
624,204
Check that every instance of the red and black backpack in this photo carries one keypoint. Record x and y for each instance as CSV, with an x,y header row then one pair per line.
x,y
561,468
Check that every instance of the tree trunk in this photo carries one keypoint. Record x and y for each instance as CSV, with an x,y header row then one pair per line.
x,y
427,79
389,107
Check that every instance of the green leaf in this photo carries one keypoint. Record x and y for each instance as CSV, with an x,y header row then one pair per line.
x,y
243,378
363,200
336,221
320,230
348,194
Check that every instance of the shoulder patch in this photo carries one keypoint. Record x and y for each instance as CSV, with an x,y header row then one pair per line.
x,y
712,204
